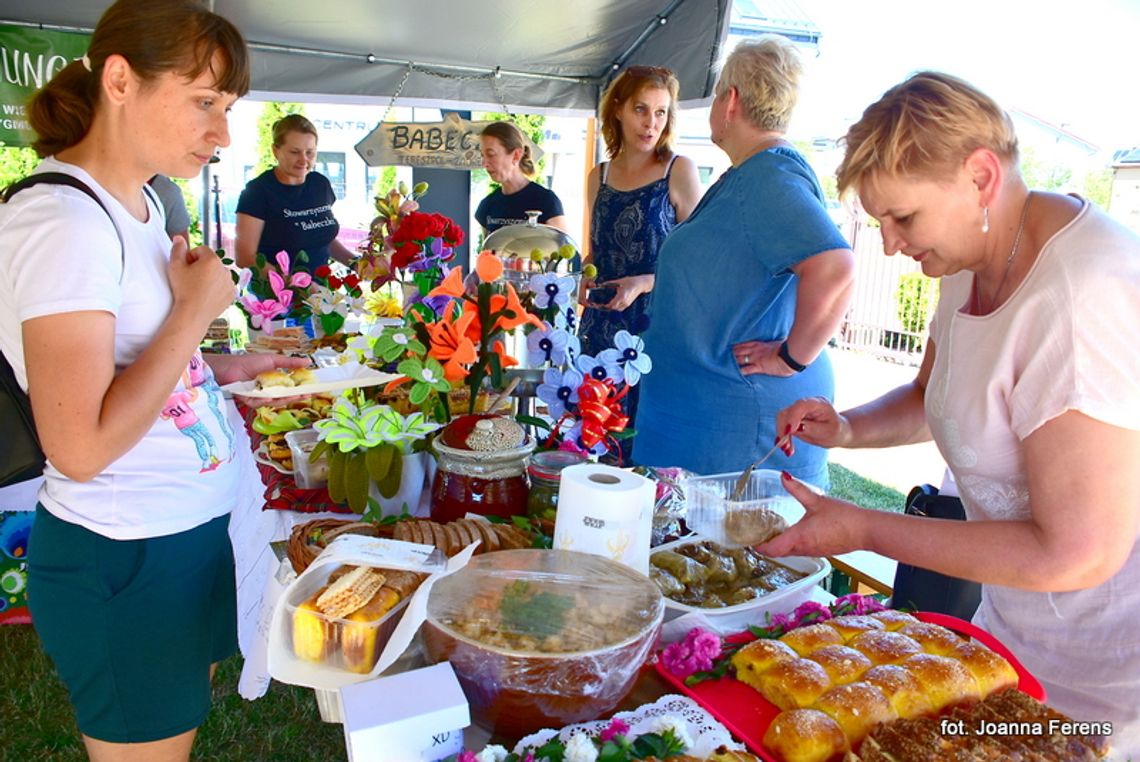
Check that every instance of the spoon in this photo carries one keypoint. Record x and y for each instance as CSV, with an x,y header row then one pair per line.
x,y
742,481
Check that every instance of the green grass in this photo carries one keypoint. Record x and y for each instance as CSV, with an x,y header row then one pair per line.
x,y
848,485
283,726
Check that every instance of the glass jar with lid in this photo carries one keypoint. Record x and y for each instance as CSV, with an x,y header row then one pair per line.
x,y
545,472
482,468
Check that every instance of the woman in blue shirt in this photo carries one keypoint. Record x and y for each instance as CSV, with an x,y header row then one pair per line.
x,y
749,289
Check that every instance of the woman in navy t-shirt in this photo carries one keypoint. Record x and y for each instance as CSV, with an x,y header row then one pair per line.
x,y
289,208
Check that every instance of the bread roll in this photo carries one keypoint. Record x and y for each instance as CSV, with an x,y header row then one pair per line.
x,y
945,681
883,647
303,376
271,378
804,640
794,683
934,638
852,625
843,664
893,619
805,735
758,657
901,688
857,707
991,671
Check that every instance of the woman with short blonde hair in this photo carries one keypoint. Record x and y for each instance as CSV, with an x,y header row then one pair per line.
x,y
749,289
1028,386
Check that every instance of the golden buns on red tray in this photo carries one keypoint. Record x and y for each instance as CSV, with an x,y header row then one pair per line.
x,y
844,680
881,687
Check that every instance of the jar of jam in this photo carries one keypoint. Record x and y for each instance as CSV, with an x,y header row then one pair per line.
x,y
482,469
545,471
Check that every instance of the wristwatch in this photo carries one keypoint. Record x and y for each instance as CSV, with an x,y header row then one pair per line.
x,y
790,361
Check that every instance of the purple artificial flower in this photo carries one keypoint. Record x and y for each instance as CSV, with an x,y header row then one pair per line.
x,y
547,346
574,434
551,289
599,368
630,351
559,390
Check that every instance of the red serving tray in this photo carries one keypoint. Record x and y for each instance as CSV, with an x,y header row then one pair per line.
x,y
746,712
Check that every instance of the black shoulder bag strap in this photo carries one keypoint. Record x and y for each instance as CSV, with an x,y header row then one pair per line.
x,y
23,456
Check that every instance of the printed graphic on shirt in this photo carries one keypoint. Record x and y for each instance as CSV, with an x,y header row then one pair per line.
x,y
180,410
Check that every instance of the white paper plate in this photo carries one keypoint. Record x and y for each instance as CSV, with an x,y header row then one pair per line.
x,y
328,380
261,455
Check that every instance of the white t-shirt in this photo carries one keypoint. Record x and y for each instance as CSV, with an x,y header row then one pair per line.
x,y
59,253
1067,339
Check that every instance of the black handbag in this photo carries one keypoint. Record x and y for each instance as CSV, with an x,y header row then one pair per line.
x,y
920,589
21,457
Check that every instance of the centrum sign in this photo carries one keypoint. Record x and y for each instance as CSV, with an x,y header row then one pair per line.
x,y
28,59
452,143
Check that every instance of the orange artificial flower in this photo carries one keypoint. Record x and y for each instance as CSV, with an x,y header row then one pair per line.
x,y
505,360
450,345
512,303
489,267
452,285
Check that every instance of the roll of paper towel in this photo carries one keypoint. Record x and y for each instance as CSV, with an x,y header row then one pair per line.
x,y
605,511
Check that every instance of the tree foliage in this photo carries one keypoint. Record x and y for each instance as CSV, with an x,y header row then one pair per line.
x,y
16,163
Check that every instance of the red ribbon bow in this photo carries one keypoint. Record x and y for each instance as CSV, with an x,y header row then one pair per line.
x,y
599,406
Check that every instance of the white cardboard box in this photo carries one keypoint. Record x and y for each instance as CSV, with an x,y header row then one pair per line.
x,y
415,716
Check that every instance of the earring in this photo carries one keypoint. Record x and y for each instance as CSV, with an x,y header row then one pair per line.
x,y
985,219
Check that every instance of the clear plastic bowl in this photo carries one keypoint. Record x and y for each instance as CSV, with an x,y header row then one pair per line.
x,y
307,475
542,638
712,513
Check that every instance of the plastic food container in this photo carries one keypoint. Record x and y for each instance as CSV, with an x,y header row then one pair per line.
x,y
712,513
542,638
352,644
307,475
732,619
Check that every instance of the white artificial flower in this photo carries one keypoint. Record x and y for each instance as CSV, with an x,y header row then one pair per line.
x,y
492,754
580,749
660,723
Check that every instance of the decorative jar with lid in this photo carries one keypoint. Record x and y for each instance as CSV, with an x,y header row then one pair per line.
x,y
482,468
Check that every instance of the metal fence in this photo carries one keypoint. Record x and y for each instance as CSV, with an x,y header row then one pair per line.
x,y
893,302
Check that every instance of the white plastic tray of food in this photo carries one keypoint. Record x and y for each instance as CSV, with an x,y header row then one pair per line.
x,y
332,379
681,617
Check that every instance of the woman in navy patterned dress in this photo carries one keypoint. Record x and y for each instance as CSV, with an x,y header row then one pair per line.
x,y
636,198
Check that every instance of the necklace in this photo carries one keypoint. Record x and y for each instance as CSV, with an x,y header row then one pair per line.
x,y
1008,264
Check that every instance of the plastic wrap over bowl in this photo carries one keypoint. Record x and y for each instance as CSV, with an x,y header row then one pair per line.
x,y
542,638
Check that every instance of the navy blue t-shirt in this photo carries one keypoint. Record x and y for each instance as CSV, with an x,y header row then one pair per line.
x,y
499,209
297,217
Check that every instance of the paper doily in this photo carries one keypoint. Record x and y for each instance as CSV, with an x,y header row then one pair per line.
x,y
707,734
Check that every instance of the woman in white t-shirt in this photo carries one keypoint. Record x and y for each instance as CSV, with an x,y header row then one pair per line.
x,y
130,577
1030,386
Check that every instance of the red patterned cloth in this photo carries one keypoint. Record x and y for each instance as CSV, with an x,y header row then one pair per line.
x,y
281,492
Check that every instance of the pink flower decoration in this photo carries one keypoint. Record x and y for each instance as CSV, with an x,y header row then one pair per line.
x,y
809,612
466,756
298,280
262,312
859,604
695,653
615,728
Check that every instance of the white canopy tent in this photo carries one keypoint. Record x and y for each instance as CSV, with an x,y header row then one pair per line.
x,y
538,56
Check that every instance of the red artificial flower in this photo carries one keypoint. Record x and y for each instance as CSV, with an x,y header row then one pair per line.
x,y
323,271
